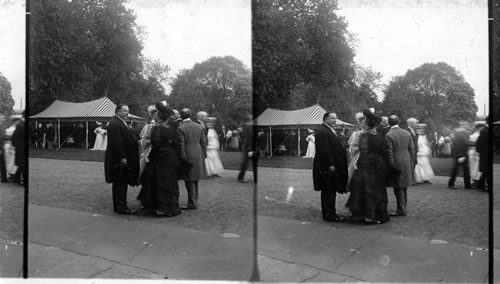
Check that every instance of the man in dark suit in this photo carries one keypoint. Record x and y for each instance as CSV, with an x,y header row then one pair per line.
x,y
249,151
460,155
400,154
435,144
50,135
482,146
329,167
193,151
3,168
412,124
121,164
18,143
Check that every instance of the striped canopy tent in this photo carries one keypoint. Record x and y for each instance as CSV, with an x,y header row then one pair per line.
x,y
102,109
301,119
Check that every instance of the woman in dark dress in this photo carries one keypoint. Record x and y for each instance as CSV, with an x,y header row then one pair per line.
x,y
162,170
368,198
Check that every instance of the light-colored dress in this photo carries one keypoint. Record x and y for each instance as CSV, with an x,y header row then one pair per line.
x,y
311,146
144,147
353,153
235,141
213,162
474,157
10,152
101,139
446,151
423,169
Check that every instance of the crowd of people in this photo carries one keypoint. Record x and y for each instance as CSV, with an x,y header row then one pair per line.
x,y
173,146
382,154
12,153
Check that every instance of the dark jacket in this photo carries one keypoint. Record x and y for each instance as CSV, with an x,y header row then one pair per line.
x,y
329,152
461,143
247,138
192,150
18,142
482,148
121,144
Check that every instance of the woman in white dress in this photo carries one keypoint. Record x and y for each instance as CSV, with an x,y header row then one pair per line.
x,y
10,151
354,145
423,169
311,145
474,155
99,138
213,163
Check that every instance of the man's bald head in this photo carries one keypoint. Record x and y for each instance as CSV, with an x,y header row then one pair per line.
x,y
185,113
393,120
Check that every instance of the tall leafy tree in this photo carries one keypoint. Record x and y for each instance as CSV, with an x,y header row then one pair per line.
x,y
432,91
297,44
6,100
219,85
85,49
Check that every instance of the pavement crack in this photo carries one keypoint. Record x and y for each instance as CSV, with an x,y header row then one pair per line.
x,y
356,251
145,246
104,270
312,277
99,257
313,267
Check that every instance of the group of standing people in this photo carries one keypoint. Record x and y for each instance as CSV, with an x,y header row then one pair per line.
x,y
172,147
380,156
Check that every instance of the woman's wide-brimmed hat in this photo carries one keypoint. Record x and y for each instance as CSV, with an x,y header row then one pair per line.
x,y
151,108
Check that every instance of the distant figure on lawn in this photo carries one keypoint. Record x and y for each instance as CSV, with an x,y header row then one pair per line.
x,y
121,164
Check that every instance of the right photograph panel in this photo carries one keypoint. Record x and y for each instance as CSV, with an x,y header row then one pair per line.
x,y
372,124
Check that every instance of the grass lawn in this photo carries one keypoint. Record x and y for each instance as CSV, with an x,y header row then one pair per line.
x,y
231,160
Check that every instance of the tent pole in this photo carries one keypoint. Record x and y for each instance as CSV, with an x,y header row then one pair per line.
x,y
58,133
298,141
86,133
270,142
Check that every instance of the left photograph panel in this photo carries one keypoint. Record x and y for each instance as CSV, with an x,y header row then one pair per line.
x,y
12,104
134,172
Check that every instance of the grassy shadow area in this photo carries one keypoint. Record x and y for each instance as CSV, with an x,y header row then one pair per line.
x,y
230,160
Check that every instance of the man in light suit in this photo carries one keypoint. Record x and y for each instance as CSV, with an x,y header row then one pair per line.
x,y
329,167
193,151
400,155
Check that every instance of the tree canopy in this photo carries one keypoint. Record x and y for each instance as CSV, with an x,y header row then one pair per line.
x,y
434,92
6,107
303,49
221,86
86,49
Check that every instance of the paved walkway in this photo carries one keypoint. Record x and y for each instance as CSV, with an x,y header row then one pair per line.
x,y
99,246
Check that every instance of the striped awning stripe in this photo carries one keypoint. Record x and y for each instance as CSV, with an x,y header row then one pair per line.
x,y
101,108
308,116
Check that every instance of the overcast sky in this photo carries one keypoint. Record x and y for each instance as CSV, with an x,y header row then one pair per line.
x,y
397,35
393,35
182,33
12,40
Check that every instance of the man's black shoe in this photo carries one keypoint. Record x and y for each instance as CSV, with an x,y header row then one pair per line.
x,y
188,208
